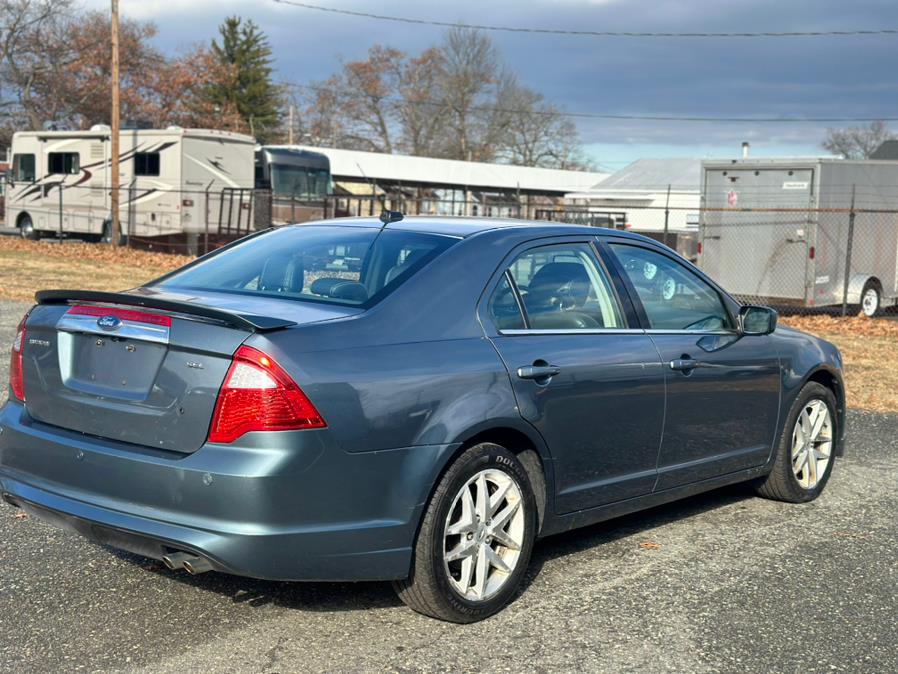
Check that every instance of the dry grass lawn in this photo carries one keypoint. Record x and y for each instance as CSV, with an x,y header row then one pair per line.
x,y
28,266
870,350
869,347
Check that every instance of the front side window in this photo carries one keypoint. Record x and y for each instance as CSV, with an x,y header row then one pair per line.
x,y
562,287
331,264
65,163
23,168
673,297
146,164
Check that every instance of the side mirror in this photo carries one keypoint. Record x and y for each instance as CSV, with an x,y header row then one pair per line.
x,y
8,176
755,320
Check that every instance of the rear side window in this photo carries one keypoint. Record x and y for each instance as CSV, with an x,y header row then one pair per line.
x,y
504,309
23,168
562,287
146,164
335,265
65,163
673,297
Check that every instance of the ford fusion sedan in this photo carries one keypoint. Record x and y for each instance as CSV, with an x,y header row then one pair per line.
x,y
415,401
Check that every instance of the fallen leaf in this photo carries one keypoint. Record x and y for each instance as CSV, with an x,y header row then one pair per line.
x,y
649,545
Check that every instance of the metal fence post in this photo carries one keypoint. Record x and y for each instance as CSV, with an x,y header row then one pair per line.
x,y
206,218
131,194
848,255
59,234
667,216
293,204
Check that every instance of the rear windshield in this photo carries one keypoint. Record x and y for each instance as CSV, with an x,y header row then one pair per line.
x,y
335,265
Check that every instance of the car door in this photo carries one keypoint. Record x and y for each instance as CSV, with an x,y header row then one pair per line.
x,y
592,385
723,388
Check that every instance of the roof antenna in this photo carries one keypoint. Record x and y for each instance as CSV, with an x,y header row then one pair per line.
x,y
388,216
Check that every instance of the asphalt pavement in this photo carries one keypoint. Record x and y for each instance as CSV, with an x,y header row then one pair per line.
x,y
722,582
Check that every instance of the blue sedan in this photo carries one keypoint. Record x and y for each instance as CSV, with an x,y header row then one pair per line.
x,y
414,400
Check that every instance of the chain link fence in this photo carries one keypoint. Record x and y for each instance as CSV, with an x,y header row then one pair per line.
x,y
797,260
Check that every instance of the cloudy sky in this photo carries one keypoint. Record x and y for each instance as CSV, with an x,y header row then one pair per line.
x,y
713,77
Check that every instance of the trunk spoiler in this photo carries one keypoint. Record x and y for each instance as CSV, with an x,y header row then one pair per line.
x,y
241,321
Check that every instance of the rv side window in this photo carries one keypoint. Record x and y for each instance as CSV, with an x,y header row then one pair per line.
x,y
23,168
146,164
67,163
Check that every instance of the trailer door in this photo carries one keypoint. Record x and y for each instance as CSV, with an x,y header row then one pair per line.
x,y
756,230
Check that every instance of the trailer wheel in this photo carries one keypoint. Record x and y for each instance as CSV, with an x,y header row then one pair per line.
x,y
871,299
26,228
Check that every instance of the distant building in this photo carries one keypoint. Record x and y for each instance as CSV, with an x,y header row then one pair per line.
x,y
447,186
637,195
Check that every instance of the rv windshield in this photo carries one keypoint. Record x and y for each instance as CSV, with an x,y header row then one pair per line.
x,y
299,182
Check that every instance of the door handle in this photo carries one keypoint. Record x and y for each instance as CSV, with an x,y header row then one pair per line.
x,y
538,372
685,364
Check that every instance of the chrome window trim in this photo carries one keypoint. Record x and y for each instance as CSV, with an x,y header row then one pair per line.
x,y
692,332
617,331
585,331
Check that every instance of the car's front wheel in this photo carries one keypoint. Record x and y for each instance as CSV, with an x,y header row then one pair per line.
x,y
475,539
806,449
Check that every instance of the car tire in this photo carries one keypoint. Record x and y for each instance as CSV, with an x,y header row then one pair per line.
x,y
794,478
434,586
871,299
27,230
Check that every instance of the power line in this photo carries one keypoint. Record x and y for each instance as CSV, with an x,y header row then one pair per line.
x,y
585,33
642,118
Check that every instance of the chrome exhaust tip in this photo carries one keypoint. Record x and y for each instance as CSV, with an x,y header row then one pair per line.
x,y
175,561
197,565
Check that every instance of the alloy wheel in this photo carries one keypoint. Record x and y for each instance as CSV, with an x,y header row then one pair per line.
x,y
812,441
484,534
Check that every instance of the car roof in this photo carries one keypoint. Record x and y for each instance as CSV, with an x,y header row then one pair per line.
x,y
463,227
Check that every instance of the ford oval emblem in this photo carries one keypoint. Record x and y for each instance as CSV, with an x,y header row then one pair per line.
x,y
109,322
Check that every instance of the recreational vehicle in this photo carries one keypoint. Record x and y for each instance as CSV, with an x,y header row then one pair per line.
x,y
298,180
174,182
784,231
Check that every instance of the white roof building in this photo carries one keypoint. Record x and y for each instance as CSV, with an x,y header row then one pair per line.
x,y
354,165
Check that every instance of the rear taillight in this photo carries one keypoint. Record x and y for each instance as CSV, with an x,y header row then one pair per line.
x,y
257,395
16,381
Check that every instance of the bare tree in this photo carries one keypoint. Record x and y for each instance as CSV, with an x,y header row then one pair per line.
x,y
421,115
456,100
540,135
857,142
27,55
473,83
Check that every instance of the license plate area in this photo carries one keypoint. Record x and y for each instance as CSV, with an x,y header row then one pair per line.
x,y
109,366
112,352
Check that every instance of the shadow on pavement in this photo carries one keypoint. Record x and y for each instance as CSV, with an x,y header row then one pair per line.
x,y
360,596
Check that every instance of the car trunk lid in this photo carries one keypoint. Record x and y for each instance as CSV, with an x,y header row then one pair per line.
x,y
143,368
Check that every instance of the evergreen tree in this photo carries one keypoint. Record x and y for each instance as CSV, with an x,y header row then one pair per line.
x,y
244,50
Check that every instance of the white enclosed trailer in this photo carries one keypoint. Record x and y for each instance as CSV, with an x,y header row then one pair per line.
x,y
173,181
777,230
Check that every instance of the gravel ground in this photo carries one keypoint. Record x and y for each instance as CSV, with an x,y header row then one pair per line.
x,y
717,583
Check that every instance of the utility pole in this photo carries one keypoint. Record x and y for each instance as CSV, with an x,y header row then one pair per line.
x,y
116,131
290,127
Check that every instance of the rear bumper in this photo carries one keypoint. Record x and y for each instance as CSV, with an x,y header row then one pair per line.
x,y
285,506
